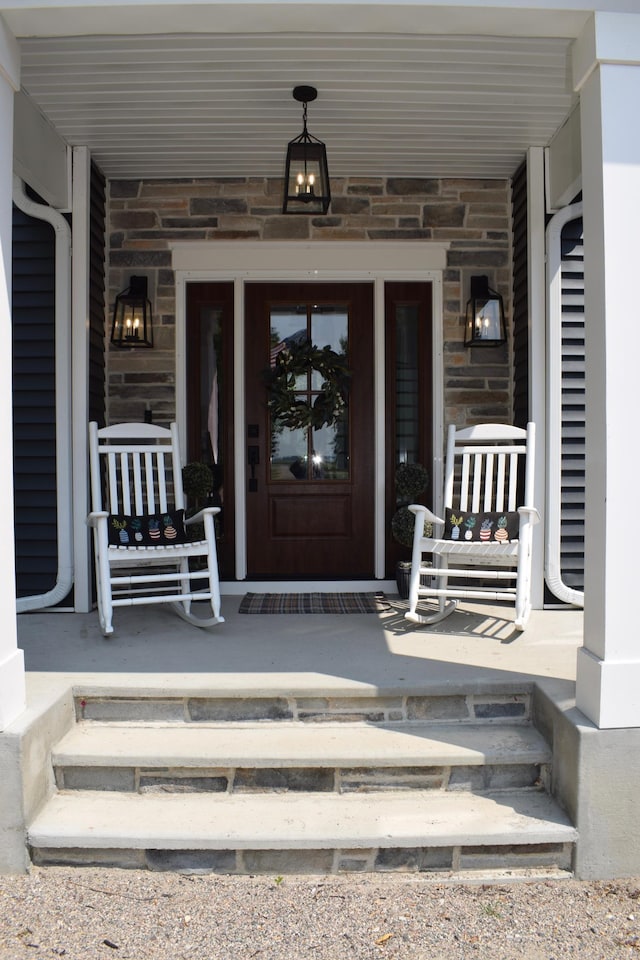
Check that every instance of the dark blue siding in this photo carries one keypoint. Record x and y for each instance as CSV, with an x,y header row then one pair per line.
x,y
34,432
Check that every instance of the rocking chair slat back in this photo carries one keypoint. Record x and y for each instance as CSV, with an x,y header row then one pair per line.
x,y
484,478
139,479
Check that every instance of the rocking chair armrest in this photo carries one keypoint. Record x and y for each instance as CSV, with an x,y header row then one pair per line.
x,y
427,515
200,515
94,518
531,513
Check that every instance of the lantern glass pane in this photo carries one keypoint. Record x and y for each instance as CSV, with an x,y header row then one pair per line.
x,y
307,178
487,320
132,322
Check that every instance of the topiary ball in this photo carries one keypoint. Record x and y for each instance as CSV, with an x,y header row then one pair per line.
x,y
411,480
402,524
197,480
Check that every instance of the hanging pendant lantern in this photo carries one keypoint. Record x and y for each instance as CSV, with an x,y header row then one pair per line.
x,y
132,319
306,180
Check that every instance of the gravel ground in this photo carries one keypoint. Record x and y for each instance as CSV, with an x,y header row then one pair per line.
x,y
83,914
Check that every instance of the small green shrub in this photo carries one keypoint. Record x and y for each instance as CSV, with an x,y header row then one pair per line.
x,y
411,480
197,480
402,525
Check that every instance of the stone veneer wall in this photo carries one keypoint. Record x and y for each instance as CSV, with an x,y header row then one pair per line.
x,y
145,216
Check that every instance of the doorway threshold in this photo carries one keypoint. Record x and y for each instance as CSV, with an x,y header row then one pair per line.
x,y
240,587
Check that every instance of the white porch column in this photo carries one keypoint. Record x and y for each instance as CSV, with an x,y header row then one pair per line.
x,y
12,679
607,73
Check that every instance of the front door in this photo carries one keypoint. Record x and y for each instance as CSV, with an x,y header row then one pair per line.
x,y
310,488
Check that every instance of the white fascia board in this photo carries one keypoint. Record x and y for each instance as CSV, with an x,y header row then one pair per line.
x,y
518,18
40,156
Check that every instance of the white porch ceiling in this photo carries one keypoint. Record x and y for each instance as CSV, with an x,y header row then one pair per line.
x,y
219,104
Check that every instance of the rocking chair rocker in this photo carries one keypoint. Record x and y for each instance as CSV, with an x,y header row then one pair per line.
x,y
487,528
141,550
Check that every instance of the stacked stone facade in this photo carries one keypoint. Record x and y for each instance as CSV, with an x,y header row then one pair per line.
x,y
474,216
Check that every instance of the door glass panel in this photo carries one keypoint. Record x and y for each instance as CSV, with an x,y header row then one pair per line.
x,y
329,327
310,454
288,326
210,352
288,453
407,383
330,456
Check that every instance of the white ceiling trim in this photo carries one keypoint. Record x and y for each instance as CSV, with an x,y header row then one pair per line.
x,y
554,18
221,106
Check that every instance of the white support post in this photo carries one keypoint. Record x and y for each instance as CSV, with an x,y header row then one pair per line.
x,y
537,344
12,676
607,65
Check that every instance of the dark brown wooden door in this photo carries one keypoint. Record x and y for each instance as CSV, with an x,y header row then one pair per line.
x,y
310,493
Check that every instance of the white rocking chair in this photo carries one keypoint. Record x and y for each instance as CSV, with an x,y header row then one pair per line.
x,y
487,528
141,552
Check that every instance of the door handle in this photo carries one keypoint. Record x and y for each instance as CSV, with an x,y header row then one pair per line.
x,y
253,459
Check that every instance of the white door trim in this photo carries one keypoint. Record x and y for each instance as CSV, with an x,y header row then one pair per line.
x,y
338,262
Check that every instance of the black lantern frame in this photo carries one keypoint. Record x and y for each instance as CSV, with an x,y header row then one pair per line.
x,y
132,317
484,320
306,178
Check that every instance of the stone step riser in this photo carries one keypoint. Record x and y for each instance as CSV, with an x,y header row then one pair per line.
x,y
240,780
540,859
460,707
497,759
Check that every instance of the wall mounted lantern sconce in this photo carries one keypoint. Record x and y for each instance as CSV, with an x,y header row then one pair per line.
x,y
306,178
132,321
484,322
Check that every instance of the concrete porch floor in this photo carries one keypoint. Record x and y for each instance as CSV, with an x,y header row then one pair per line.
x,y
475,647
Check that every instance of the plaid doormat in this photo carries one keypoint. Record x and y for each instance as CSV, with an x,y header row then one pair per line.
x,y
311,603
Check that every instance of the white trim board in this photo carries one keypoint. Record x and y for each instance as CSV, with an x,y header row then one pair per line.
x,y
351,258
238,588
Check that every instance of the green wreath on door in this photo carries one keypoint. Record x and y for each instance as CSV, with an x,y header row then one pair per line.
x,y
287,407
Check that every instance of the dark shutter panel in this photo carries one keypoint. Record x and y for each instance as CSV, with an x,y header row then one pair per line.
x,y
520,298
34,429
573,407
96,298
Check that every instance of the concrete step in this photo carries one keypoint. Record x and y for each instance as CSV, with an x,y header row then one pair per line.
x,y
318,833
232,757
